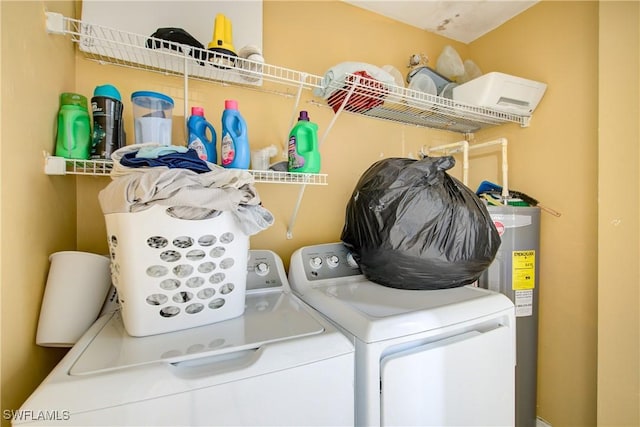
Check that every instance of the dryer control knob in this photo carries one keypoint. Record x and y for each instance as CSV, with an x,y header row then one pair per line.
x,y
262,269
333,261
351,261
316,262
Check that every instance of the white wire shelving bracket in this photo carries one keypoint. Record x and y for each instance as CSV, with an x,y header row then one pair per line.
x,y
354,94
54,165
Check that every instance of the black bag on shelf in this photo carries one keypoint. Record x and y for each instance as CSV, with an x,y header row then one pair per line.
x,y
410,225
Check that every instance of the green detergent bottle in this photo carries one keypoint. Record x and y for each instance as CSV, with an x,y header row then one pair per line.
x,y
303,146
73,140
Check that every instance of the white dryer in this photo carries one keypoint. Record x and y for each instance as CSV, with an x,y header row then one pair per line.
x,y
279,364
423,357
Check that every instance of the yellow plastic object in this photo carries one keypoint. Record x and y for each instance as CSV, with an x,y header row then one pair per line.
x,y
222,41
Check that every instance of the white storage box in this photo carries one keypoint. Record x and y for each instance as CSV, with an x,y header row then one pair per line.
x,y
501,92
175,274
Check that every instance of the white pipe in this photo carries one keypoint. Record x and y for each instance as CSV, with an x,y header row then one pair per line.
x,y
505,165
464,145
488,143
445,147
465,162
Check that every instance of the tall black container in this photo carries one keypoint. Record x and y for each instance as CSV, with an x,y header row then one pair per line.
x,y
108,128
515,272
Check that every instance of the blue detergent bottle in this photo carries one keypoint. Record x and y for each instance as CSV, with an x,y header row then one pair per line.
x,y
199,140
304,155
234,145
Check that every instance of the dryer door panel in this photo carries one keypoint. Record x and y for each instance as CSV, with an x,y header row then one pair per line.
x,y
428,385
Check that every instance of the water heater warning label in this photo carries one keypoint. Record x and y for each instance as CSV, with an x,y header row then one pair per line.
x,y
524,270
524,303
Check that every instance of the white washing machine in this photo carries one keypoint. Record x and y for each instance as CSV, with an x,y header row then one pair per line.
x,y
423,357
280,363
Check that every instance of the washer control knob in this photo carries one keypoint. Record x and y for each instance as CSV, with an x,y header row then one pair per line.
x,y
333,261
316,262
262,269
351,261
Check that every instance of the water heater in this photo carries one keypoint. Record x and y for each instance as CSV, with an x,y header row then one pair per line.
x,y
515,273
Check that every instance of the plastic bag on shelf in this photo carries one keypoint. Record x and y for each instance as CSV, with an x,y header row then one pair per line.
x,y
449,63
410,225
471,71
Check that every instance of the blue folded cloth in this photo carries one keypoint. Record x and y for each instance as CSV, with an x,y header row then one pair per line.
x,y
153,152
187,160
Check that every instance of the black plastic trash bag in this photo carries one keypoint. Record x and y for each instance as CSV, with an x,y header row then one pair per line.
x,y
410,225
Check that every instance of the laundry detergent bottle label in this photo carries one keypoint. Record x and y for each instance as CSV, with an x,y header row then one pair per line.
x,y
303,151
295,160
196,144
227,152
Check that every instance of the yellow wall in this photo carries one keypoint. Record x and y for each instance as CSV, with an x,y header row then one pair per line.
x,y
1,401
38,211
619,215
554,160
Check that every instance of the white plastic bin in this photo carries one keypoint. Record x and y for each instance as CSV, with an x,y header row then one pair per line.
x,y
174,274
501,92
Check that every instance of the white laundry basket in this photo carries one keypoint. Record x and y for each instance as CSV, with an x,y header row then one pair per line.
x,y
175,274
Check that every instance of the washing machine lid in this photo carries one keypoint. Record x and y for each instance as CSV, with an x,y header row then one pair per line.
x,y
373,312
268,318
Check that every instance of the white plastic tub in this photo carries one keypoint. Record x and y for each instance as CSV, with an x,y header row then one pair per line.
x,y
501,92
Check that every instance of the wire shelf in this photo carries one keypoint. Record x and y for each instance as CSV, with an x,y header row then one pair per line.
x,y
55,165
368,97
116,47
356,95
278,177
89,167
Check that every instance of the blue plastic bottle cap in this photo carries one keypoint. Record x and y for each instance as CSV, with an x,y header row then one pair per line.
x,y
147,99
108,91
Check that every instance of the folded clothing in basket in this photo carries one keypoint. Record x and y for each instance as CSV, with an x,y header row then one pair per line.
x,y
187,194
187,159
137,157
